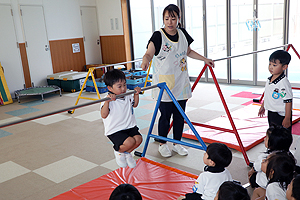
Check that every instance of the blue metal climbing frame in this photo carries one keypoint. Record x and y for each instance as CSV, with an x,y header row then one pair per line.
x,y
163,87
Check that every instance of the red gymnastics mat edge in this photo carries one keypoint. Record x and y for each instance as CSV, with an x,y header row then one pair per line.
x,y
153,180
230,145
251,128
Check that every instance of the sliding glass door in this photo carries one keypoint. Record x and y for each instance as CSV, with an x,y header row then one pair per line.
x,y
294,34
141,26
194,26
216,35
254,25
270,15
242,39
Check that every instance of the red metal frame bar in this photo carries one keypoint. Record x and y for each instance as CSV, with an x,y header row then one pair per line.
x,y
193,87
229,116
227,112
225,105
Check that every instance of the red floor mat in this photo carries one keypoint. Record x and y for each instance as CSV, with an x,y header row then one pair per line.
x,y
296,129
152,179
244,94
251,128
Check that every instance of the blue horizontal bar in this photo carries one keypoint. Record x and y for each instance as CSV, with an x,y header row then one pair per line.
x,y
177,142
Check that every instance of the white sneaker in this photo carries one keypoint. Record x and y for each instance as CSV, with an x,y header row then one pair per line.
x,y
120,159
164,150
180,150
129,159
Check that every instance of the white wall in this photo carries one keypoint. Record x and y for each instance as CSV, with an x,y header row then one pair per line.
x,y
107,11
87,2
63,19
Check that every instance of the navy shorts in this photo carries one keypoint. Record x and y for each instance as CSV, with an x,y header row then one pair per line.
x,y
275,119
119,137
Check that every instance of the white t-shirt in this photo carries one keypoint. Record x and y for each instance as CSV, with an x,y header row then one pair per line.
x,y
208,183
261,178
277,94
275,192
170,66
121,115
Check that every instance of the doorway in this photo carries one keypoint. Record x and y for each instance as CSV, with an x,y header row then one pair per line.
x,y
91,36
37,44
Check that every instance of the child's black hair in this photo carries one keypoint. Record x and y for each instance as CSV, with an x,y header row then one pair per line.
x,y
220,154
113,76
283,56
125,192
281,167
279,139
296,187
230,190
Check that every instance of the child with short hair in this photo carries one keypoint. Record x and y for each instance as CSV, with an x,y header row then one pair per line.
x,y
293,189
216,158
125,191
119,120
277,138
229,190
278,92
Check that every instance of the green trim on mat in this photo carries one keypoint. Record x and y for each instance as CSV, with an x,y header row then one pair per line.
x,y
3,92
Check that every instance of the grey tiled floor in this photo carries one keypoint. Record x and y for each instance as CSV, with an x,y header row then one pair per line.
x,y
43,158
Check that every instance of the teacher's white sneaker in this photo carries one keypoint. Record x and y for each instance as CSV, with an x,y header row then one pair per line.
x,y
180,150
164,150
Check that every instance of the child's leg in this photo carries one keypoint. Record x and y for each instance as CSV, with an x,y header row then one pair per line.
x,y
258,194
127,145
138,140
133,140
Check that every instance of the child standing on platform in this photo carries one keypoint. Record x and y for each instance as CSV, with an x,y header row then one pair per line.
x,y
216,158
119,120
278,92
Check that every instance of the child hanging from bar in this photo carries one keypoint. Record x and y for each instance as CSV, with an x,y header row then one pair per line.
x,y
119,120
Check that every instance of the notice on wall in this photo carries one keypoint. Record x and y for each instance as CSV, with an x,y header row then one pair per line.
x,y
76,48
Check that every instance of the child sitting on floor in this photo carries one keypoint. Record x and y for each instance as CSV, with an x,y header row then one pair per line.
x,y
279,168
229,190
119,120
125,192
293,189
216,158
277,139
